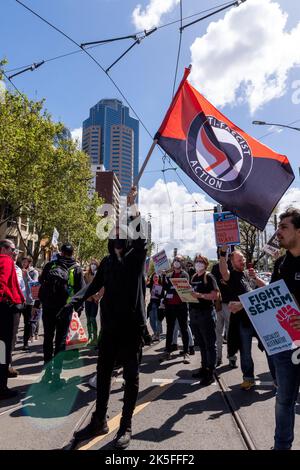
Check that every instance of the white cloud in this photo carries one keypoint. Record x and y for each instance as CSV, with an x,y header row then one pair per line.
x,y
2,91
177,227
291,198
77,136
246,56
151,15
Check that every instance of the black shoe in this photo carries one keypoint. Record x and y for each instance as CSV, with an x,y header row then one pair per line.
x,y
173,347
192,351
199,374
6,393
96,427
25,347
122,439
219,362
207,380
232,363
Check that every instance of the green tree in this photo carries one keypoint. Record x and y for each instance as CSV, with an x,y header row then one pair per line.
x,y
45,177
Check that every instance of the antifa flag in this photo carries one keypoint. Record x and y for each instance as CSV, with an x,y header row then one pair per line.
x,y
234,169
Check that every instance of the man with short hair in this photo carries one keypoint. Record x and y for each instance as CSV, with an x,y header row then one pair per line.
x,y
11,298
60,280
240,331
287,267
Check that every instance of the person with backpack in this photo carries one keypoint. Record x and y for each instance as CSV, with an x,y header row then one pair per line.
x,y
203,319
60,280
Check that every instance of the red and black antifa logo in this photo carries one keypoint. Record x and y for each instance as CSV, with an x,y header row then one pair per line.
x,y
218,155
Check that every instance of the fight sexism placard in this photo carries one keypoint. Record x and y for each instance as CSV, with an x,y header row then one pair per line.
x,y
270,309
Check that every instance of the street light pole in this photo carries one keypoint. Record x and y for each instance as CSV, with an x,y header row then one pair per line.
x,y
263,123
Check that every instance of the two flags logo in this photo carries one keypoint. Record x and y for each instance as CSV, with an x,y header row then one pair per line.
x,y
236,170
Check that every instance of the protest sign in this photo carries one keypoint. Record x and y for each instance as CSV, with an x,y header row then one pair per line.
x,y
269,309
54,241
76,338
161,262
226,229
273,246
183,289
34,287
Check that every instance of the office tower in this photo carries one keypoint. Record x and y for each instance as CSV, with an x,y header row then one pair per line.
x,y
111,138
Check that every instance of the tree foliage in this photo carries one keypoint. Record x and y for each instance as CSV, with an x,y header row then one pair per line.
x,y
45,177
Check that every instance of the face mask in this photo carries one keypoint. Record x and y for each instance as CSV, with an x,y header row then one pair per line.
x,y
177,264
199,266
93,268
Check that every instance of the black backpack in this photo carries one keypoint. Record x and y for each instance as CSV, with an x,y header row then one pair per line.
x,y
56,288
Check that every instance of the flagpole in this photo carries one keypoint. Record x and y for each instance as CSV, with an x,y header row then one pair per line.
x,y
137,179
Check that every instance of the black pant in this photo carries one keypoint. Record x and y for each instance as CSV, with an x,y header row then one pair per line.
x,y
204,328
125,348
180,313
59,328
6,338
27,317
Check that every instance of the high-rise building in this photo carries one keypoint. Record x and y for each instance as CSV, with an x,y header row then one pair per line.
x,y
111,138
108,187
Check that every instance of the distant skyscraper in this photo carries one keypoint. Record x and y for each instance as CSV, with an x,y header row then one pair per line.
x,y
111,138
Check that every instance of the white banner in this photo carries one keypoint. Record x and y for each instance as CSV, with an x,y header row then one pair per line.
x,y
269,309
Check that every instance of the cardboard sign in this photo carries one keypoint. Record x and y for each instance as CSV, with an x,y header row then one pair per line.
x,y
226,229
161,262
55,235
34,289
269,309
76,338
273,246
184,289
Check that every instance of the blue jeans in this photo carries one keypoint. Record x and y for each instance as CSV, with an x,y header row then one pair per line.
x,y
176,333
154,321
247,365
288,381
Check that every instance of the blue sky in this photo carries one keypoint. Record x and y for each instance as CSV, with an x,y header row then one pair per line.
x,y
73,84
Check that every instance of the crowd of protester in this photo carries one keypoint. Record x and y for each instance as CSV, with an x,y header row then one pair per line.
x,y
216,324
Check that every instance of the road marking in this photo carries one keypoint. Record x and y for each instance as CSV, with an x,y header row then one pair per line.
x,y
260,382
178,381
114,423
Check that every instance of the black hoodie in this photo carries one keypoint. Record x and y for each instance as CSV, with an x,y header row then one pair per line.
x,y
123,302
68,263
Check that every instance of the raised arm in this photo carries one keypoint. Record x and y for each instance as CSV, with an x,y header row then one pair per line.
x,y
225,273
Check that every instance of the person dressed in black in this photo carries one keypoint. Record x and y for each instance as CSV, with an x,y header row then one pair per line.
x,y
241,331
222,313
286,363
60,279
203,320
123,326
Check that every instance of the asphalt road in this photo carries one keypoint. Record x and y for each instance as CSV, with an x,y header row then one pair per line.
x,y
173,412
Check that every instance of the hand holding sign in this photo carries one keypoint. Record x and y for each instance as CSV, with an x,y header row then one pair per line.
x,y
287,318
235,307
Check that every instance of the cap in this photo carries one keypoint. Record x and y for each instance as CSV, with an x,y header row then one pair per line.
x,y
67,248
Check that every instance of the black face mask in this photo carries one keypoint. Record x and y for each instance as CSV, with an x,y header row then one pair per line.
x,y
116,244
